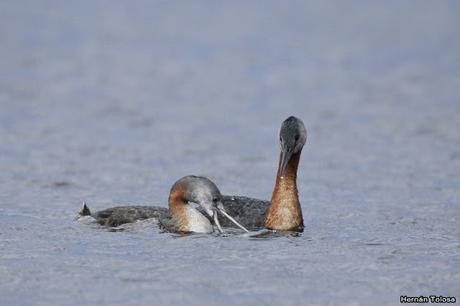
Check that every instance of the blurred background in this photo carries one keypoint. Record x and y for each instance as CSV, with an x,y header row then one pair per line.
x,y
112,101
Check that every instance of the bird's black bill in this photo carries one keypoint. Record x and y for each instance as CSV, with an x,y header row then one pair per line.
x,y
286,154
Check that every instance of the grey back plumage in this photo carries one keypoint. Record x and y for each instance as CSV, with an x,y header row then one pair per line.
x,y
199,189
116,216
249,212
119,215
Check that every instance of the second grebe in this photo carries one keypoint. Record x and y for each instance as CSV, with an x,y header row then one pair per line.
x,y
284,211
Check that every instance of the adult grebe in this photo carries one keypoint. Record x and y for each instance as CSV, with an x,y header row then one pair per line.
x,y
284,212
181,217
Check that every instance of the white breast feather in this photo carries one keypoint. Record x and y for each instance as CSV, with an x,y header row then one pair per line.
x,y
197,222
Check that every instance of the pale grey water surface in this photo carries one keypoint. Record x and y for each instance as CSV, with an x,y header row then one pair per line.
x,y
112,101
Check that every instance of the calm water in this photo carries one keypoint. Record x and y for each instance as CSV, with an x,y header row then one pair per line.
x,y
110,102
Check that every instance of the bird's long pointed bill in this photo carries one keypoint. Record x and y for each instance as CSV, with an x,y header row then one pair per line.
x,y
286,155
216,221
231,219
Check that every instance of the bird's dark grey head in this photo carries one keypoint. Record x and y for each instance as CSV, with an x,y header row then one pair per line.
x,y
293,136
200,190
203,191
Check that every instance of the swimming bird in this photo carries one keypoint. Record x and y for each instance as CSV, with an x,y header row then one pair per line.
x,y
284,211
181,216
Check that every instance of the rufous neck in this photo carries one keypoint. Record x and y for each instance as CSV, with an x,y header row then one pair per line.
x,y
177,205
190,219
285,212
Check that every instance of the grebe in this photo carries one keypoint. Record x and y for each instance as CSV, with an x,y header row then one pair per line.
x,y
284,211
181,217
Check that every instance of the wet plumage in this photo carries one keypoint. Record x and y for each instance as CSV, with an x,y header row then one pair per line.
x,y
116,216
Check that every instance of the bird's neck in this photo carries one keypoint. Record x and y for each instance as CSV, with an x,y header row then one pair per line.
x,y
285,212
190,219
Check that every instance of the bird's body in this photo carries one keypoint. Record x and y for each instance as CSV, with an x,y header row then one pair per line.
x,y
116,216
180,217
249,212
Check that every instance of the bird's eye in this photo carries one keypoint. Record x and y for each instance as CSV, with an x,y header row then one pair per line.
x,y
215,200
296,138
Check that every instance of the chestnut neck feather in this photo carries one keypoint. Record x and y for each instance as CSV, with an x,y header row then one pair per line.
x,y
285,212
177,205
